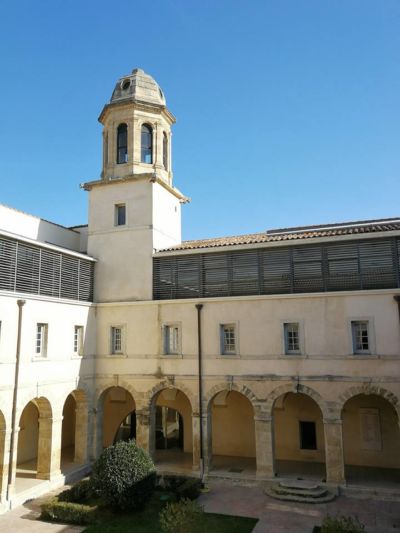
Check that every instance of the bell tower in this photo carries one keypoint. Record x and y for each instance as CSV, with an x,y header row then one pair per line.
x,y
133,208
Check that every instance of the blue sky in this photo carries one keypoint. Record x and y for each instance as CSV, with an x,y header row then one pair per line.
x,y
288,110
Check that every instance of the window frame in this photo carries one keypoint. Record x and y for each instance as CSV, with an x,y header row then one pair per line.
x,y
41,346
117,207
223,350
78,340
113,329
150,147
166,338
353,321
165,145
121,146
287,350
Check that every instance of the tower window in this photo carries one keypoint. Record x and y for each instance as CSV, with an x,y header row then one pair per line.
x,y
122,143
165,151
147,144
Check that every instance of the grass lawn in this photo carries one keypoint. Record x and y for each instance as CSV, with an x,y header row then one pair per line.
x,y
147,522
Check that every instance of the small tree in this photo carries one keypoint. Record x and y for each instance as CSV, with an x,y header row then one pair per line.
x,y
124,476
341,524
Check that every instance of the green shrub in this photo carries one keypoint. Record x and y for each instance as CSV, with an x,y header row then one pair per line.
x,y
184,516
80,492
341,524
124,476
68,512
189,489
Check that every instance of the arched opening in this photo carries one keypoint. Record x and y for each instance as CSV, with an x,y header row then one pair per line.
x,y
34,442
146,144
74,431
165,150
2,452
119,416
371,441
299,441
173,437
232,433
122,144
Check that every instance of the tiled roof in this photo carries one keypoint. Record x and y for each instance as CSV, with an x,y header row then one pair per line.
x,y
297,233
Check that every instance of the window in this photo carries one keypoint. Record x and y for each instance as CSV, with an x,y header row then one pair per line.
x,y
122,143
147,144
116,339
292,337
228,339
171,339
308,435
165,151
41,340
360,334
120,215
78,340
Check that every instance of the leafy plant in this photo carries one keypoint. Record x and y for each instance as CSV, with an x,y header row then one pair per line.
x,y
124,476
184,516
68,512
341,524
79,493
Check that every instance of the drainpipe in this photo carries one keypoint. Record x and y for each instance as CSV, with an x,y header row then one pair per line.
x,y
199,307
20,304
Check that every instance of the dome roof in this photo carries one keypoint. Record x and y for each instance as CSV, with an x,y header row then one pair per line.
x,y
138,86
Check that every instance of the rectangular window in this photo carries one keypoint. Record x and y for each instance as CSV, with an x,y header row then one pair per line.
x,y
171,339
78,340
360,334
292,337
120,215
41,340
116,339
228,339
308,435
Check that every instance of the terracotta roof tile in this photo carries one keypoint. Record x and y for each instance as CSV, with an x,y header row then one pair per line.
x,y
297,233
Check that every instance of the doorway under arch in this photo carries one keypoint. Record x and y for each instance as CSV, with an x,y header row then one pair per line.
x,y
371,441
119,415
299,441
74,431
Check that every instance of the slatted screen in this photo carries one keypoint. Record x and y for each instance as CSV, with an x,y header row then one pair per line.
x,y
35,270
355,265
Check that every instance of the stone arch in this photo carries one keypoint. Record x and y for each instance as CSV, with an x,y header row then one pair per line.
x,y
296,388
111,413
74,431
100,391
220,387
369,389
152,394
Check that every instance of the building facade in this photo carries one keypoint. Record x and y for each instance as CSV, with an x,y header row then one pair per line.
x,y
257,356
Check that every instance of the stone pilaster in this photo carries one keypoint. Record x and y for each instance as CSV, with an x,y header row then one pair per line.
x,y
145,430
81,434
96,428
263,425
207,442
334,458
196,440
5,438
49,447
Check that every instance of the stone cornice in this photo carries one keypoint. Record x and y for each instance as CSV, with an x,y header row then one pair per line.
x,y
132,103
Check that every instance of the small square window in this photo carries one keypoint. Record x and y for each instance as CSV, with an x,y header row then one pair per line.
x,y
78,340
361,337
116,340
120,215
41,340
308,435
228,339
171,339
292,337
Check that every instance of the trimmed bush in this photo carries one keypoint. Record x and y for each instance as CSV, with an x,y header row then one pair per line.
x,y
341,524
68,512
184,516
79,493
124,476
189,489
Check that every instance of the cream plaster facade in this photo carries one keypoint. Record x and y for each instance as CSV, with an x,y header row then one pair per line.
x,y
70,402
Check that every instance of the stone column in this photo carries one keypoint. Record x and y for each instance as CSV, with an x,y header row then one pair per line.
x,y
96,425
81,434
196,440
145,430
207,442
5,442
334,458
263,425
49,447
